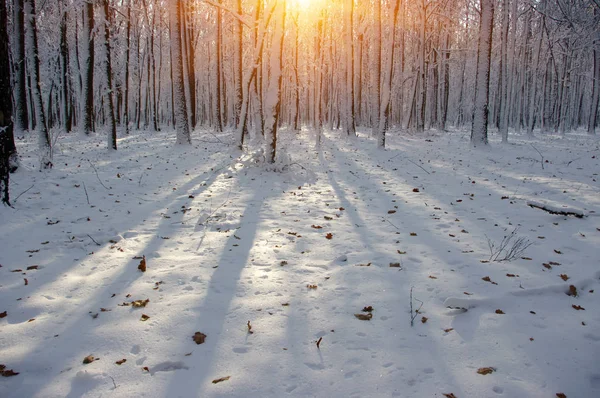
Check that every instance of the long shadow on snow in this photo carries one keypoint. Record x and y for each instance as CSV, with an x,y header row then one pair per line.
x,y
83,323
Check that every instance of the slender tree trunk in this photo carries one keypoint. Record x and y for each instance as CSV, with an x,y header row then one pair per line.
x,y
350,120
21,90
112,127
482,78
593,118
88,84
218,71
6,108
182,126
45,146
504,72
64,57
191,64
275,80
127,57
376,71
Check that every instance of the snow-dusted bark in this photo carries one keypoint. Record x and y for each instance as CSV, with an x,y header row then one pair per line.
x,y
349,35
273,97
112,127
22,116
88,79
45,146
479,133
182,127
6,108
376,57
593,118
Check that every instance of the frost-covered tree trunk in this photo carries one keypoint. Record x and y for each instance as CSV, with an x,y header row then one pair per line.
x,y
182,127
127,57
22,114
349,34
593,118
88,80
6,107
384,109
218,71
273,99
65,76
504,72
238,58
535,66
482,78
376,67
112,127
45,146
191,63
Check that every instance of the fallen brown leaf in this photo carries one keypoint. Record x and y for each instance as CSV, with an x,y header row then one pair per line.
x,y
7,372
391,211
449,395
500,312
557,251
363,265
329,235
485,371
368,309
220,379
432,277
250,328
364,317
487,279
140,303
564,277
424,319
89,359
578,307
395,265
121,361
560,395
142,266
199,338
311,286
572,291
144,317
3,314
415,189
512,275
32,267
316,226
413,234
448,330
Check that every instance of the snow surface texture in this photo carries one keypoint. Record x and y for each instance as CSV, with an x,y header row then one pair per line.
x,y
229,240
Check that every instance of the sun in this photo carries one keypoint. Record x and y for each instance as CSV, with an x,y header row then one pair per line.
x,y
302,4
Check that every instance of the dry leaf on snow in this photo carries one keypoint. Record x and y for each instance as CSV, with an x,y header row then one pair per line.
x,y
329,235
500,312
3,314
560,395
485,371
578,307
142,266
220,379
144,317
7,372
89,359
449,395
572,291
121,361
199,337
364,317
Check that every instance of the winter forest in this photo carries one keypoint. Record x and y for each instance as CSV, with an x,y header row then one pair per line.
x,y
274,198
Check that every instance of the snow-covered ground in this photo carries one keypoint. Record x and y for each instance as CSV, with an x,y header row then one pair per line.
x,y
266,263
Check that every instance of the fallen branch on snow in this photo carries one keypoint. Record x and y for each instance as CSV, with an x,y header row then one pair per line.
x,y
561,211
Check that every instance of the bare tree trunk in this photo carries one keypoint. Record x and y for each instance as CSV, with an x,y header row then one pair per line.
x,y
350,120
275,79
182,126
593,118
219,71
127,57
88,84
6,108
112,127
376,72
64,57
45,145
482,78
19,43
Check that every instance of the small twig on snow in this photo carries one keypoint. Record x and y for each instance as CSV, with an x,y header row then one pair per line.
x,y
86,193
94,240
542,156
97,176
416,312
418,166
22,193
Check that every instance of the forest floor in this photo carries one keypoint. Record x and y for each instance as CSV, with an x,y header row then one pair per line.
x,y
272,265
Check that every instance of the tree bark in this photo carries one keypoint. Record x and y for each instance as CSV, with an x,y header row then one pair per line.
x,y
88,84
182,126
482,78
